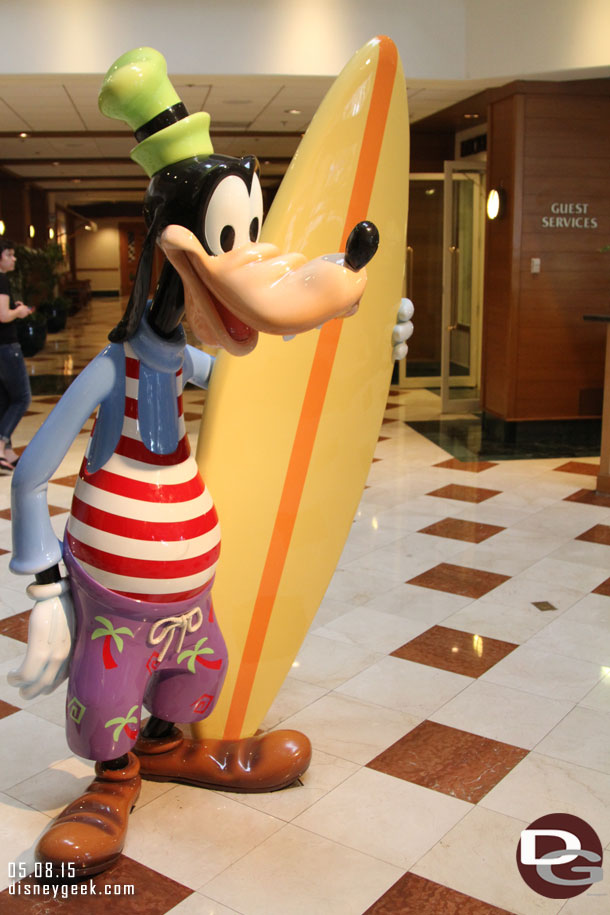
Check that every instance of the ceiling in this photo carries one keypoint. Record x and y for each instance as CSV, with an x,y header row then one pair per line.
x,y
83,157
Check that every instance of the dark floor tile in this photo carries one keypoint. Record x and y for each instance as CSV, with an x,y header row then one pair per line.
x,y
468,466
459,580
590,497
604,588
53,510
598,534
16,627
464,493
7,709
191,417
579,467
448,760
413,895
66,481
459,529
152,894
454,650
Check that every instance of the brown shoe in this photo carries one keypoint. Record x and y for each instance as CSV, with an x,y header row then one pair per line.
x,y
265,763
88,836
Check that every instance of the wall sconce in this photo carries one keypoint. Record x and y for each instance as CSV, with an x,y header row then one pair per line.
x,y
32,231
2,227
51,233
496,203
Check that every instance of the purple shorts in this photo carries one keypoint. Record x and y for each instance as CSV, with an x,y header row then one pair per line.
x,y
130,654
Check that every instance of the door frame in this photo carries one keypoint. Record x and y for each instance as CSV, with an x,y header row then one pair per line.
x,y
462,169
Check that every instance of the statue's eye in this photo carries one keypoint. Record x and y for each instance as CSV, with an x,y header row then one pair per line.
x,y
232,216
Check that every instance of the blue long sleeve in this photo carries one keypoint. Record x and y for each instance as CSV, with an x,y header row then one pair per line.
x,y
35,545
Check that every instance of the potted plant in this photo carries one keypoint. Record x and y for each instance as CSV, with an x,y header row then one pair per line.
x,y
56,313
31,333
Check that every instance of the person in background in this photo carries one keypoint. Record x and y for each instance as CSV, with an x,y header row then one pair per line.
x,y
15,394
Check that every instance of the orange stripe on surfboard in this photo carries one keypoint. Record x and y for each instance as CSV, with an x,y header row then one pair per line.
x,y
313,402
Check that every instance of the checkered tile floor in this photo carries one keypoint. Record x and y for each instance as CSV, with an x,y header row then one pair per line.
x,y
455,686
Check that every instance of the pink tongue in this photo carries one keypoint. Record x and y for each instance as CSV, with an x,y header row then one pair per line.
x,y
236,328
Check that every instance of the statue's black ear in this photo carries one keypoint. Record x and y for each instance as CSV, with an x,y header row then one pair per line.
x,y
251,167
134,312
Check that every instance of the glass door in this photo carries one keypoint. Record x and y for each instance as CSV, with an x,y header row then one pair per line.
x,y
462,271
424,282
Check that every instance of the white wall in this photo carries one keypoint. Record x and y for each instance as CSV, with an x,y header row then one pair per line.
x,y
437,39
530,37
97,256
231,36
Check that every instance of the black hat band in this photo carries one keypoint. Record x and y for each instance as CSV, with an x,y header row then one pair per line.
x,y
171,115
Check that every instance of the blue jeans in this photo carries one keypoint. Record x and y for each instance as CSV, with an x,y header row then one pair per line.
x,y
15,394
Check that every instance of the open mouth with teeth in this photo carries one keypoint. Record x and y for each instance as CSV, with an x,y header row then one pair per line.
x,y
232,296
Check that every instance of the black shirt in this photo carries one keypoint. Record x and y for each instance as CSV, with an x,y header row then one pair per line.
x,y
8,331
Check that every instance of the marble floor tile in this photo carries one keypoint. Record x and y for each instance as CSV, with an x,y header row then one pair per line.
x,y
420,604
579,467
582,737
350,729
603,588
372,629
200,904
575,640
405,686
458,580
413,895
448,760
569,574
206,832
327,662
454,650
500,713
521,590
323,775
599,697
459,529
464,493
546,674
600,533
308,874
540,785
20,827
467,466
477,858
18,760
345,815
488,617
589,497
293,696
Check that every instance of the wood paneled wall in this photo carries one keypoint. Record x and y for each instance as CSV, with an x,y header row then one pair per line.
x,y
547,145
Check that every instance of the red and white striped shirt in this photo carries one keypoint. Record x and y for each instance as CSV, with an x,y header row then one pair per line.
x,y
144,525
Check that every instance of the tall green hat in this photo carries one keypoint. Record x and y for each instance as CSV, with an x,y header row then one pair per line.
x,y
137,90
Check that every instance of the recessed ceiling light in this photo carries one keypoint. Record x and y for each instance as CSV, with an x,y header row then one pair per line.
x,y
471,117
24,135
292,111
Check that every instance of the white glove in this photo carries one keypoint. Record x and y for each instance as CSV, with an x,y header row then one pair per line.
x,y
403,329
50,635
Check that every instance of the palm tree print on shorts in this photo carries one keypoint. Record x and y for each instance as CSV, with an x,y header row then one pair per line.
x,y
122,724
109,633
193,655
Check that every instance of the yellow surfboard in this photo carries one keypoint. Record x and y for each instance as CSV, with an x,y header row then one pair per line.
x,y
289,431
